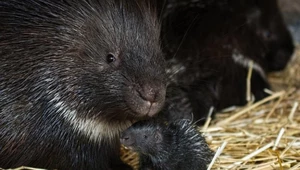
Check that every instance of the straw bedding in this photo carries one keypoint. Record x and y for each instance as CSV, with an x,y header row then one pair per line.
x,y
263,135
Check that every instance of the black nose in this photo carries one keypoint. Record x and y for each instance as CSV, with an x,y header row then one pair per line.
x,y
126,139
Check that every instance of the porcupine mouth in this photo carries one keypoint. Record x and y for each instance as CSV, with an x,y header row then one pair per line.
x,y
144,109
134,148
141,107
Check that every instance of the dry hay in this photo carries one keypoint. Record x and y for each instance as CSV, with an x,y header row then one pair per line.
x,y
264,135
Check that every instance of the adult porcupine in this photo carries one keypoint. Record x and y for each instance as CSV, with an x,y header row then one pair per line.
x,y
209,45
73,74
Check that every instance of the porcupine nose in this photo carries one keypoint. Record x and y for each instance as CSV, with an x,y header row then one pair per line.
x,y
146,99
148,93
126,139
153,96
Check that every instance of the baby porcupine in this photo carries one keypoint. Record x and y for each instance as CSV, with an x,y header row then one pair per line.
x,y
174,146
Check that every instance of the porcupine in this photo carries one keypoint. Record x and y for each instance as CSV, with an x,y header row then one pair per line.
x,y
177,145
73,74
210,44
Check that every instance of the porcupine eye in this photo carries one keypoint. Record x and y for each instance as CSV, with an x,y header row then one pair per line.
x,y
145,136
110,58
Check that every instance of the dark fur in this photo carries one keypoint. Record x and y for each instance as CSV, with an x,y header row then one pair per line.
x,y
177,105
176,146
266,20
96,60
200,38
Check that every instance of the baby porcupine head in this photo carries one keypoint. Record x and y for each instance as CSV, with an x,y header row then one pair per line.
x,y
163,141
144,137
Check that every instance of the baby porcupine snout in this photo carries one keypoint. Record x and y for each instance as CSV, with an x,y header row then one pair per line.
x,y
126,139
